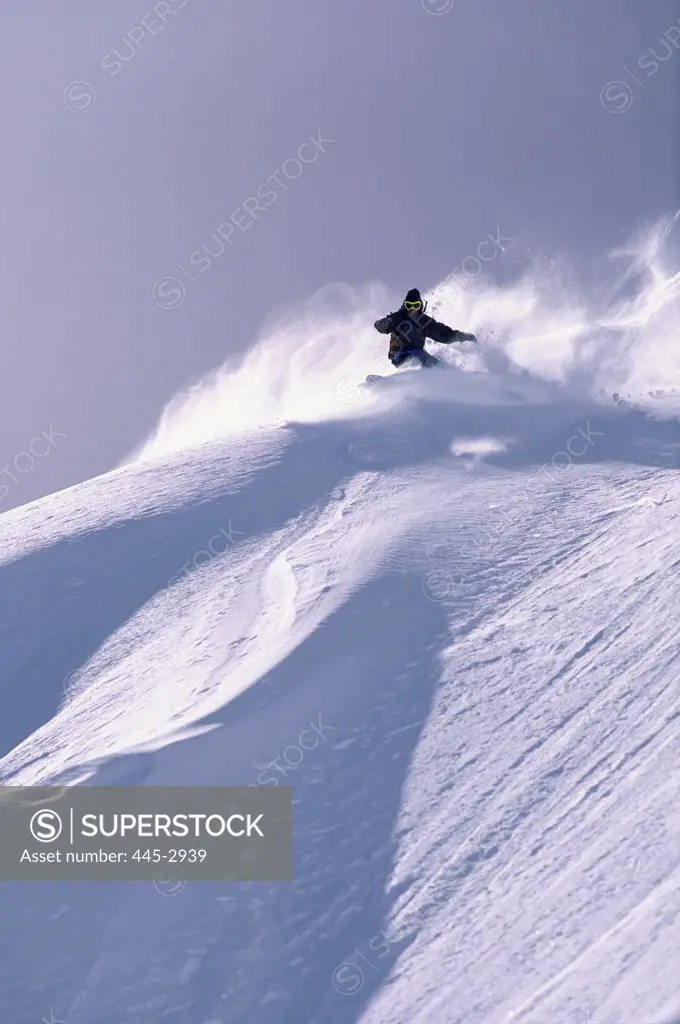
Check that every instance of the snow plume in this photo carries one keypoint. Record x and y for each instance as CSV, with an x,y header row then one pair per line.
x,y
307,363
305,366
622,339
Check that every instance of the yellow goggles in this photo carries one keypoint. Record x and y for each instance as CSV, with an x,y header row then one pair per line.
x,y
413,305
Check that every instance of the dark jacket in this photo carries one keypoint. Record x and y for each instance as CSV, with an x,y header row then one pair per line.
x,y
408,333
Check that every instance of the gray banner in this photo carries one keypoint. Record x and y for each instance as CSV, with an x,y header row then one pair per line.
x,y
146,833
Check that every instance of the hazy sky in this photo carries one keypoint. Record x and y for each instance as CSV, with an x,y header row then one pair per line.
x,y
133,130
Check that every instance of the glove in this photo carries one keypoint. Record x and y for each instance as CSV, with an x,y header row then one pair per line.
x,y
383,326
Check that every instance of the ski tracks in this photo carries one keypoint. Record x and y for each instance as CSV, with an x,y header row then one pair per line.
x,y
559,707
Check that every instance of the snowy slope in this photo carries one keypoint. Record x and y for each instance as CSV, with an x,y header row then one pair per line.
x,y
463,587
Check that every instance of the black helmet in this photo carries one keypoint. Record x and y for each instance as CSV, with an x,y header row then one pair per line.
x,y
413,296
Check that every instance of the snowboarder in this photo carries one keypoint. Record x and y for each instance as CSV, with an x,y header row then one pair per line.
x,y
410,326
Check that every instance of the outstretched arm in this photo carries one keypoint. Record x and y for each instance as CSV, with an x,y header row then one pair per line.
x,y
446,335
439,332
